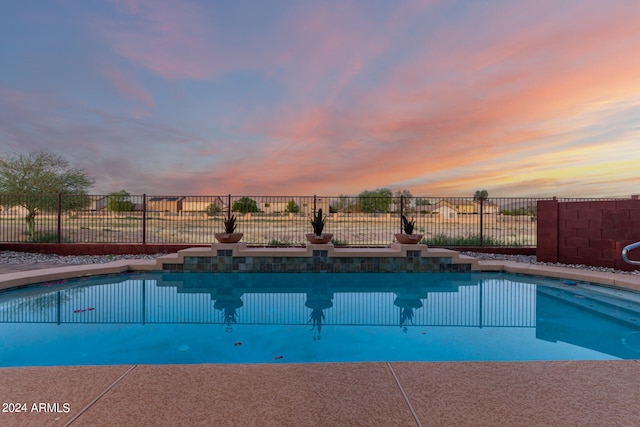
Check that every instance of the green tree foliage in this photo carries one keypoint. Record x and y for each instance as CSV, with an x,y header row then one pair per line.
x,y
34,181
376,201
480,195
119,201
515,212
244,205
213,209
292,207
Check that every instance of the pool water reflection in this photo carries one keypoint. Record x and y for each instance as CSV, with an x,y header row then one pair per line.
x,y
155,318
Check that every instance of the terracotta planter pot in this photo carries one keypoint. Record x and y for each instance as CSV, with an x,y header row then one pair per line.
x,y
325,238
228,238
408,239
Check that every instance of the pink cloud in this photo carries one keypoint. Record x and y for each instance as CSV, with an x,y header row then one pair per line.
x,y
170,38
128,87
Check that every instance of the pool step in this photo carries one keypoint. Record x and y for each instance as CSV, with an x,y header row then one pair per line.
x,y
605,304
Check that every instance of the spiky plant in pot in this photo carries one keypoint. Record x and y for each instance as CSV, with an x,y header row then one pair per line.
x,y
408,237
318,223
230,224
229,235
407,226
318,236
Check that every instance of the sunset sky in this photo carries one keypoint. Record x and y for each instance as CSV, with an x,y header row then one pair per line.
x,y
277,97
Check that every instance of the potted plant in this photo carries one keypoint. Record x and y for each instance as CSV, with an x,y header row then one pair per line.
x,y
408,237
318,225
229,235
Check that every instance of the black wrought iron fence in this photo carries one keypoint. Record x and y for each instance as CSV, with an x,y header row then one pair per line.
x,y
266,220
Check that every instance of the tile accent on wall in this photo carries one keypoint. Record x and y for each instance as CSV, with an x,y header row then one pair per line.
x,y
225,262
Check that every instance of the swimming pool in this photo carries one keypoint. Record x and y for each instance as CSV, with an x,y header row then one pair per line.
x,y
184,318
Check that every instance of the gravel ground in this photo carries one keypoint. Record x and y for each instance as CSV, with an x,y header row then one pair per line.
x,y
531,259
10,257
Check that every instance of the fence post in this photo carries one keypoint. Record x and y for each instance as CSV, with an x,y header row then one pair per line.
x,y
144,219
481,221
401,210
229,206
314,204
59,217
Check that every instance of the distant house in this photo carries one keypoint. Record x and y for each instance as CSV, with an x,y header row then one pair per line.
x,y
445,210
305,204
165,204
467,207
490,208
193,204
452,208
321,203
99,203
273,207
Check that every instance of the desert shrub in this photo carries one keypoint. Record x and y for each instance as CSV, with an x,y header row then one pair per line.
x,y
444,240
276,242
44,237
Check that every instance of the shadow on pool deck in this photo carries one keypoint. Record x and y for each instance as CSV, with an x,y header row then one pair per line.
x,y
558,393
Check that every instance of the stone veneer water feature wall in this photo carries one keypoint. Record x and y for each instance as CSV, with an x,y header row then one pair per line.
x,y
234,258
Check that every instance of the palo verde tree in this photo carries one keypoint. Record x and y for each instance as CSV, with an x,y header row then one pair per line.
x,y
120,201
35,180
292,207
376,201
244,205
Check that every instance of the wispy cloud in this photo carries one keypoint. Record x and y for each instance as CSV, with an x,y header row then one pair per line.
x,y
170,38
337,97
128,87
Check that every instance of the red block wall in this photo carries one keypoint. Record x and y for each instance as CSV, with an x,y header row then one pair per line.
x,y
588,233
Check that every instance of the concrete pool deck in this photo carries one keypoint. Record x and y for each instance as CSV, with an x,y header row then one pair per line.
x,y
585,393
589,393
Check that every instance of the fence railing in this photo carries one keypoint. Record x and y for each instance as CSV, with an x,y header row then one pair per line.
x,y
265,220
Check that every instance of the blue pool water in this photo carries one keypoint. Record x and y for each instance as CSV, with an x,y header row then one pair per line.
x,y
186,318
